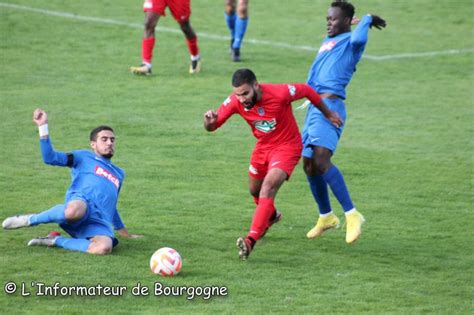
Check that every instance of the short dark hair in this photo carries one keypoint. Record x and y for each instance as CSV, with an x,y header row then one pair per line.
x,y
95,131
243,76
346,7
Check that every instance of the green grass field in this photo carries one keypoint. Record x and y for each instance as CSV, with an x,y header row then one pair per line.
x,y
407,156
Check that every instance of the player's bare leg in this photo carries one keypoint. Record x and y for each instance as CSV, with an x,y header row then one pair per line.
x,y
191,40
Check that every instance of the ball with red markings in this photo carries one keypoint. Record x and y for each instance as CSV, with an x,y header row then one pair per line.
x,y
166,262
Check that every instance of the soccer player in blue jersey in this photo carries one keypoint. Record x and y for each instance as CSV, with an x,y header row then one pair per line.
x,y
89,213
329,75
237,18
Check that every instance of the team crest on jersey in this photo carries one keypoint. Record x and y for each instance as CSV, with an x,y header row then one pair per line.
x,y
265,125
106,174
327,46
261,111
292,90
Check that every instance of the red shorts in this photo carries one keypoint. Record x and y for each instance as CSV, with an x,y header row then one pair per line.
x,y
284,157
180,9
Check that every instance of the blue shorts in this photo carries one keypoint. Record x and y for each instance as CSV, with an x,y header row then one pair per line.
x,y
320,132
90,225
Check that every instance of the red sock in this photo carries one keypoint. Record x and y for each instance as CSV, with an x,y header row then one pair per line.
x,y
147,49
193,46
255,199
262,215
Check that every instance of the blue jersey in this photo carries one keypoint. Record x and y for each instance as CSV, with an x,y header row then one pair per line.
x,y
94,179
337,58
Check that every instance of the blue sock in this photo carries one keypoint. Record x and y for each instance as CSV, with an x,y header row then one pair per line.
x,y
75,244
230,20
319,188
338,186
53,215
240,28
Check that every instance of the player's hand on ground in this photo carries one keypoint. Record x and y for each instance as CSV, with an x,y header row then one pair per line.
x,y
378,22
335,119
124,233
40,117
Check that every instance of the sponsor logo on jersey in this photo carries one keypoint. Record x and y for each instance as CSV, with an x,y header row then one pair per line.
x,y
292,90
261,111
226,102
265,125
106,174
327,46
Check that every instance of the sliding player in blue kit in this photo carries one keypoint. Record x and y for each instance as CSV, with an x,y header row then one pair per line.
x,y
329,75
89,213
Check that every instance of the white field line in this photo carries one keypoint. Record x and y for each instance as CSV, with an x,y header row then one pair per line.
x,y
226,38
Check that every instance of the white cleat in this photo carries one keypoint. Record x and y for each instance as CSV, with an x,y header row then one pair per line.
x,y
43,241
16,222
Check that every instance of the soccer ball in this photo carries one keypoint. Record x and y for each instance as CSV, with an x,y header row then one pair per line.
x,y
165,262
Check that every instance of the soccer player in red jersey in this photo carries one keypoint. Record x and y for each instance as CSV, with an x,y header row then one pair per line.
x,y
181,11
267,110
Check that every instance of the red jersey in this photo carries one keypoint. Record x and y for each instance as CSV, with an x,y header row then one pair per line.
x,y
271,119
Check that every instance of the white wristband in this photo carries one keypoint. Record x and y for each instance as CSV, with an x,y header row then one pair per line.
x,y
43,130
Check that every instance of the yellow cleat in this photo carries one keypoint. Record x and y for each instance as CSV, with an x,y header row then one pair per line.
x,y
195,66
354,226
141,70
323,224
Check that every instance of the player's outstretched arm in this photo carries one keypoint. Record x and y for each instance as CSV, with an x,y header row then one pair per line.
x,y
210,120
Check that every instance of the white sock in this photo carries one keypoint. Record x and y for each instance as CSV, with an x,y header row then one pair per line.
x,y
351,211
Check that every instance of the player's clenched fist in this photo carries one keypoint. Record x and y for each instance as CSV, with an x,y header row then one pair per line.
x,y
40,117
210,120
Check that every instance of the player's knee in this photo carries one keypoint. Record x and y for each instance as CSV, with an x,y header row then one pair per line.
x,y
254,191
308,167
150,25
149,29
73,214
230,7
187,29
315,167
321,162
242,12
321,168
242,9
99,249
